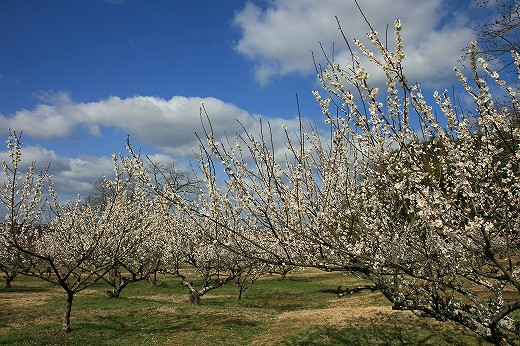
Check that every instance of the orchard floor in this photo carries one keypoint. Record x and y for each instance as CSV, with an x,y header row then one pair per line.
x,y
295,311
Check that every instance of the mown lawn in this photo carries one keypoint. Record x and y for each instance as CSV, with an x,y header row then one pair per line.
x,y
294,311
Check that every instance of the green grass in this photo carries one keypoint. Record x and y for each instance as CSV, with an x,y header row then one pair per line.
x,y
289,312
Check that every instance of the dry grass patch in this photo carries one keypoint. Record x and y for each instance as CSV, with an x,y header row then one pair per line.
x,y
22,301
353,311
174,298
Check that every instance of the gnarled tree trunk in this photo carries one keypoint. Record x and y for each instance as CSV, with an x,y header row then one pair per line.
x,y
195,297
116,290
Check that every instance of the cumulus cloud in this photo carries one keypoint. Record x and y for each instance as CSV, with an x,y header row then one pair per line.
x,y
74,175
278,39
167,124
70,176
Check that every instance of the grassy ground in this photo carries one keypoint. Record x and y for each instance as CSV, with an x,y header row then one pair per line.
x,y
272,312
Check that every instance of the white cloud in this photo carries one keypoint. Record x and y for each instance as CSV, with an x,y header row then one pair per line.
x,y
74,175
167,124
70,176
279,39
53,98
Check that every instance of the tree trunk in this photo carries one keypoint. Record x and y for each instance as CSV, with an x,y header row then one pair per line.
x,y
116,291
153,279
66,317
242,287
8,280
194,297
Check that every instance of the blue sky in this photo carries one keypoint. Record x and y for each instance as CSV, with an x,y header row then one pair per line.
x,y
79,75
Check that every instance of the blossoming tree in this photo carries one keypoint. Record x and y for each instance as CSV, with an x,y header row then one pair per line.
x,y
72,251
67,250
194,247
423,200
22,196
134,227
193,251
12,262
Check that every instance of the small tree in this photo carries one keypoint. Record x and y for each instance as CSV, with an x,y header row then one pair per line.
x,y
165,179
12,262
249,272
135,228
65,251
22,195
71,253
195,258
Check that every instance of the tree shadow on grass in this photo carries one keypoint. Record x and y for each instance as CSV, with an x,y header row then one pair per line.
x,y
388,336
23,289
